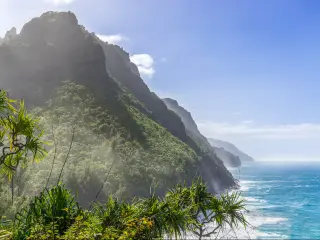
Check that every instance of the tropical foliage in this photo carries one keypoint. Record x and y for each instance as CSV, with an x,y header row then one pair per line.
x,y
20,137
101,145
104,169
56,215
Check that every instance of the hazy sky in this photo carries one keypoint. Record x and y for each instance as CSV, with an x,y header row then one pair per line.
x,y
248,70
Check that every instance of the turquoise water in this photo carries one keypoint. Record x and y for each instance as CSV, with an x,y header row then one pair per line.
x,y
283,199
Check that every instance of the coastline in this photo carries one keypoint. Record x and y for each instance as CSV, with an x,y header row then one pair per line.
x,y
254,206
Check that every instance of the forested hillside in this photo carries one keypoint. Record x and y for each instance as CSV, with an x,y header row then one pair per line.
x,y
101,120
54,213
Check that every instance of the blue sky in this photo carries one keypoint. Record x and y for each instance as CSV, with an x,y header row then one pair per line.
x,y
246,69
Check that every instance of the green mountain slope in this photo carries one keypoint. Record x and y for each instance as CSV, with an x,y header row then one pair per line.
x,y
119,124
192,129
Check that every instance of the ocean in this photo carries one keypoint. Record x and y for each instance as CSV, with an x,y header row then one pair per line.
x,y
283,200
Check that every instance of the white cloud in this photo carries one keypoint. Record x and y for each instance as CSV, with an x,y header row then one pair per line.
x,y
246,128
280,158
60,2
112,39
288,142
247,121
145,64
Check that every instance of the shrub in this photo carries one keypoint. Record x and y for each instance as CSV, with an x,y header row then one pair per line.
x,y
55,209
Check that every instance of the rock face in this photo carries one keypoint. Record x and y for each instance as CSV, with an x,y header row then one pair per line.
x,y
228,158
231,148
117,63
10,34
192,129
50,49
53,48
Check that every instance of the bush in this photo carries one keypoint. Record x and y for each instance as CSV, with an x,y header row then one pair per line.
x,y
54,210
56,215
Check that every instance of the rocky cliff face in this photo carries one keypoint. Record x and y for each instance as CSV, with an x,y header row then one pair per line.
x,y
192,129
119,66
50,49
231,148
54,47
228,158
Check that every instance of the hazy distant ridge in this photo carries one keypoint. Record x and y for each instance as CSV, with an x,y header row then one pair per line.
x,y
231,148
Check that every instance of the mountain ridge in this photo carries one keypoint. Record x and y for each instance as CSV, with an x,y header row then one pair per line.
x,y
192,129
231,148
53,48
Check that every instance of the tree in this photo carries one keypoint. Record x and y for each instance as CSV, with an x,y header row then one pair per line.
x,y
208,210
20,137
183,210
56,214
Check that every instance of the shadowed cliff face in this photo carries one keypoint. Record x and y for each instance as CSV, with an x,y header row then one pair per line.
x,y
119,66
192,129
54,48
228,158
48,50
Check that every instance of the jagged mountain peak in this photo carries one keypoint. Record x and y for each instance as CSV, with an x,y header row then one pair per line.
x,y
172,101
11,33
184,114
54,47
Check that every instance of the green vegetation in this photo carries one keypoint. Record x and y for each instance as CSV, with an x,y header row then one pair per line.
x,y
102,169
56,215
20,140
19,136
103,144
